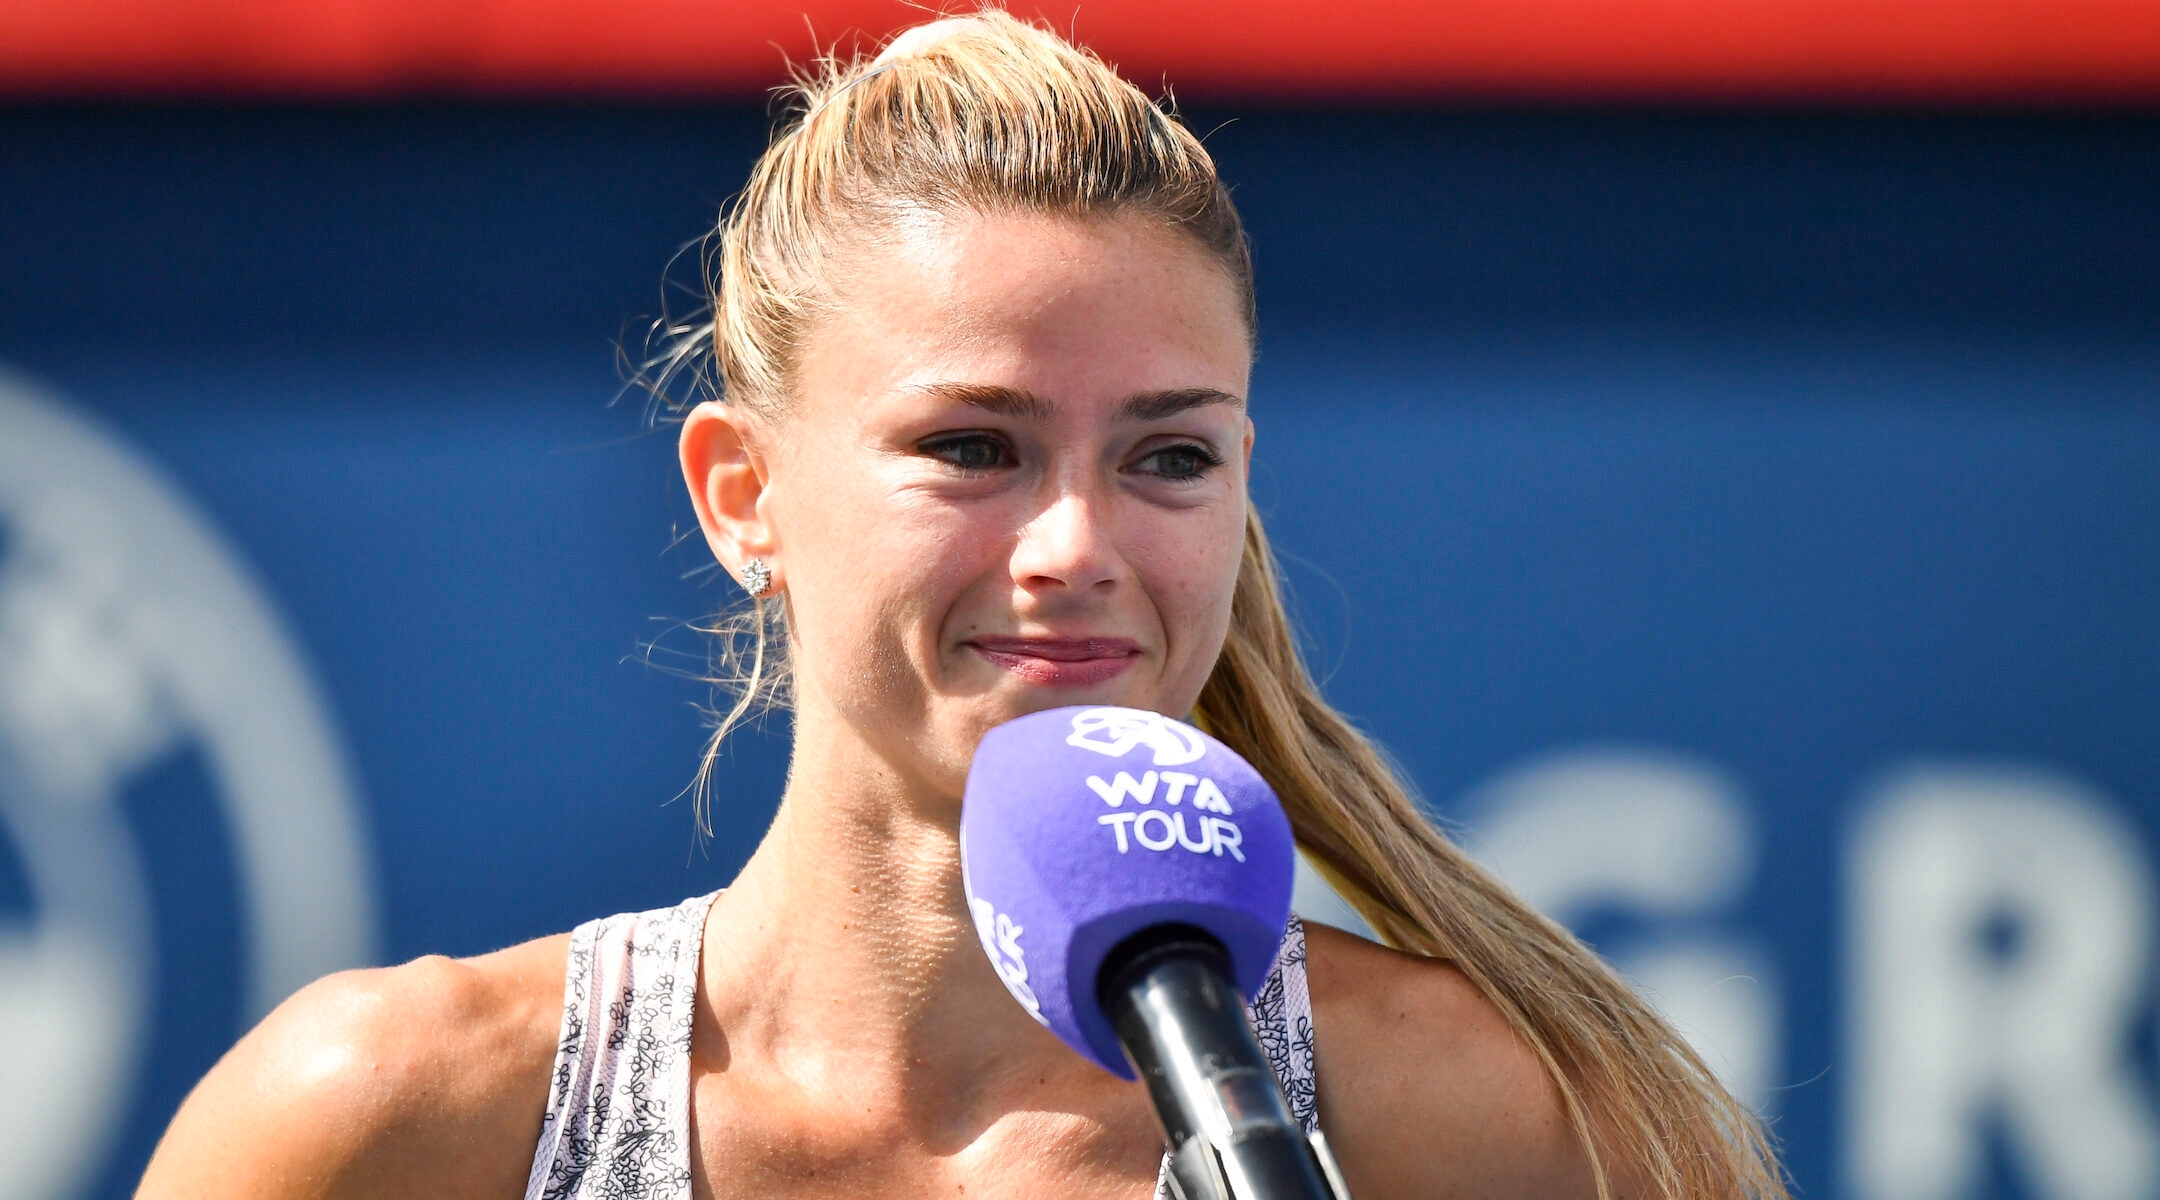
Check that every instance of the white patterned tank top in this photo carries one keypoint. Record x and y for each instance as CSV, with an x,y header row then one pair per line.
x,y
618,1114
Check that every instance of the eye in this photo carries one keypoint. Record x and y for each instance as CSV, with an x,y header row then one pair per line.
x,y
1181,462
969,451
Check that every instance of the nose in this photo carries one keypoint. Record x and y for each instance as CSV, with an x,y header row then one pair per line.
x,y
1067,548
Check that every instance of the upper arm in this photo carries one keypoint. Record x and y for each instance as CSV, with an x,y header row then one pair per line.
x,y
426,1079
1425,1090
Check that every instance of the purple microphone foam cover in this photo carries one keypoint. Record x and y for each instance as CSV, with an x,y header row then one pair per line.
x,y
1084,825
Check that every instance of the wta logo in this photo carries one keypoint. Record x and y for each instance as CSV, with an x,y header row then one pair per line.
x,y
1204,828
1117,732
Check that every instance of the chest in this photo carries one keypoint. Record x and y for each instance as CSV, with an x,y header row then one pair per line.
x,y
744,1145
629,1118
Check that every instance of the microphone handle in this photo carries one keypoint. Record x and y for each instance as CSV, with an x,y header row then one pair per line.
x,y
1168,994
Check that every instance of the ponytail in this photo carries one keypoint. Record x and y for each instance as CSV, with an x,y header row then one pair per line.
x,y
1624,1077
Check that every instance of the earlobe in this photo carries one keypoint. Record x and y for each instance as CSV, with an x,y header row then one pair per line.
x,y
724,469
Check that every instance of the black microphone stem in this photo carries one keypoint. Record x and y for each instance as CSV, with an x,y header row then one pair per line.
x,y
1182,1023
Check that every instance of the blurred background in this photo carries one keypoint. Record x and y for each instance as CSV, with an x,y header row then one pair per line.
x,y
1714,445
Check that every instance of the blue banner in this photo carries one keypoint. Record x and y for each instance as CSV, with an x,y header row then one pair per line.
x,y
1775,608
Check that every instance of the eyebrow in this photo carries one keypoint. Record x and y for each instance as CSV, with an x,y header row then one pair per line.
x,y
1017,403
1021,404
1154,406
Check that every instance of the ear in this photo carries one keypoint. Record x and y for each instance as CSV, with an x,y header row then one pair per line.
x,y
724,465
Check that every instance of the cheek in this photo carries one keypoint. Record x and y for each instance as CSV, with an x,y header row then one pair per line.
x,y
873,571
1195,583
835,565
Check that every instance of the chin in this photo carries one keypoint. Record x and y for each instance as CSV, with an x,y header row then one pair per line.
x,y
1012,705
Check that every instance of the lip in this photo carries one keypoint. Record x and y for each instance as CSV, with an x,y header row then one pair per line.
x,y
1069,662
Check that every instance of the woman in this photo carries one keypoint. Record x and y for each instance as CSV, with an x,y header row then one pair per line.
x,y
984,325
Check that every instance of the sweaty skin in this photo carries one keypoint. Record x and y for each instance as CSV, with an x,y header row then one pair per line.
x,y
1014,435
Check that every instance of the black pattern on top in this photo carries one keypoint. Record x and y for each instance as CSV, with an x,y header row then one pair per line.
x,y
617,1125
1283,1021
618,1120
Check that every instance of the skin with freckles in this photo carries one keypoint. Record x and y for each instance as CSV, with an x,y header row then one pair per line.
x,y
1011,476
966,458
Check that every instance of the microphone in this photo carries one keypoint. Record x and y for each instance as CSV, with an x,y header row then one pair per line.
x,y
1130,880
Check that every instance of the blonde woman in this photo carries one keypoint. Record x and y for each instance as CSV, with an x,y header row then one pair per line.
x,y
983,322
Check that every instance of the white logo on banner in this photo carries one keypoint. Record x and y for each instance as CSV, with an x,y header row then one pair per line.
x,y
2000,929
2000,924
1667,838
1118,731
129,630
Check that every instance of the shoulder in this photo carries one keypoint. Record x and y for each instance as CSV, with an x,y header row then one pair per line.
x,y
1425,1090
370,1082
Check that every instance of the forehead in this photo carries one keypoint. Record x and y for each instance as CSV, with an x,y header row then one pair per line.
x,y
1071,309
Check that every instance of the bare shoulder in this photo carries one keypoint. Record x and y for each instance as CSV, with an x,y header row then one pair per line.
x,y
1424,1088
426,1079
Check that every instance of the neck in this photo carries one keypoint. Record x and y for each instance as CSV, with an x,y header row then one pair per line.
x,y
843,957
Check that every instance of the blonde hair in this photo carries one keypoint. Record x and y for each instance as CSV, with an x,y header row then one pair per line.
x,y
988,113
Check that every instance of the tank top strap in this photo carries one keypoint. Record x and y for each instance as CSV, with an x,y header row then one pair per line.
x,y
1281,1016
618,1116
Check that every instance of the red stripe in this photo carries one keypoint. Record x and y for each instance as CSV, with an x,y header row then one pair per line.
x,y
1956,51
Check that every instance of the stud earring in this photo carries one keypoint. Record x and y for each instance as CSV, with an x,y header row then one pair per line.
x,y
756,577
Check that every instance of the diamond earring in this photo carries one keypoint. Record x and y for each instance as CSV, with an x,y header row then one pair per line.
x,y
756,577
